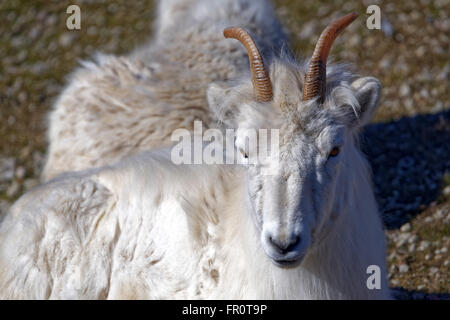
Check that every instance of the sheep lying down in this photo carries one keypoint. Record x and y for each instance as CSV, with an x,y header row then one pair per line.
x,y
128,231
146,228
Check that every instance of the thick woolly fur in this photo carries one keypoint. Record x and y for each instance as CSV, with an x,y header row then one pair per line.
x,y
129,232
117,106
145,228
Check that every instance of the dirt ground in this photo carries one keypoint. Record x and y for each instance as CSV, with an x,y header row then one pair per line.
x,y
408,143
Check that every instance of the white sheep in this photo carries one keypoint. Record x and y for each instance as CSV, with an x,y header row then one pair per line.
x,y
149,229
118,106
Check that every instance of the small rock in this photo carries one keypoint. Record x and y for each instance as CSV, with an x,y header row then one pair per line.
x,y
387,28
421,287
434,270
413,239
66,39
11,120
354,40
92,31
428,257
307,30
13,189
409,104
21,56
403,268
51,20
406,227
22,96
439,106
447,263
420,51
446,191
7,168
439,214
20,172
424,245
38,68
392,268
405,90
402,239
385,63
424,93
35,32
391,256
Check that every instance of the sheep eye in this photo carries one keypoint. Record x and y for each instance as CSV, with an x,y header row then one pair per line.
x,y
244,154
334,152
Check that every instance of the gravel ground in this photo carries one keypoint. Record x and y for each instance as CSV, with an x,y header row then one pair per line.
x,y
407,145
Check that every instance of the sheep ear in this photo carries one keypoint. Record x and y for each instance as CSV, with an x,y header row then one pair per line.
x,y
368,93
222,103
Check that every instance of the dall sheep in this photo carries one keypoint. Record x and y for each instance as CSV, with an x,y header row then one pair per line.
x,y
147,228
118,106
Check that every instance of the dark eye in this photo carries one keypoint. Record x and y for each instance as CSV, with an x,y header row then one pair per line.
x,y
244,154
334,152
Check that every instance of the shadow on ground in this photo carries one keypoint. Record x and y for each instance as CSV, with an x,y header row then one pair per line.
x,y
403,294
409,159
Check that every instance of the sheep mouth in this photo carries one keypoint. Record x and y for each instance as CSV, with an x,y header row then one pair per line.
x,y
288,263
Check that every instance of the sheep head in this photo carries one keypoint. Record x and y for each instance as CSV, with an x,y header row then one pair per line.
x,y
317,113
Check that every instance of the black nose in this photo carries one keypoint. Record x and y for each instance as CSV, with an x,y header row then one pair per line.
x,y
285,247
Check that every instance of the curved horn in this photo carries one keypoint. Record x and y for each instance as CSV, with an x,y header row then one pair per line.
x,y
262,86
315,79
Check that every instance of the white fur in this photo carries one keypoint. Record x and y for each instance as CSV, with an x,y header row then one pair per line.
x,y
118,106
147,228
129,232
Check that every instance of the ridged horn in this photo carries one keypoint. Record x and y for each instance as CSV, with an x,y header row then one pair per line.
x,y
262,86
315,79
